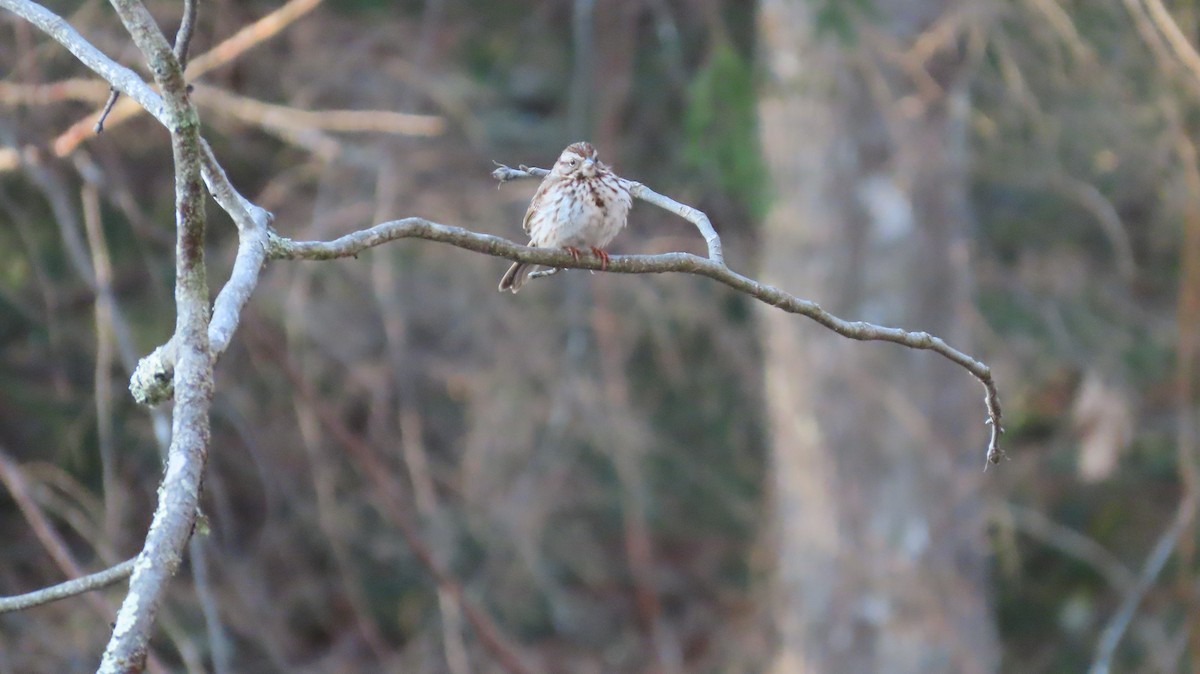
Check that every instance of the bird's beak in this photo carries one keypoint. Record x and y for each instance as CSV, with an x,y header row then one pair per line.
x,y
589,166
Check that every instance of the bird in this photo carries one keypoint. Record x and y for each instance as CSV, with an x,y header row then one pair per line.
x,y
581,203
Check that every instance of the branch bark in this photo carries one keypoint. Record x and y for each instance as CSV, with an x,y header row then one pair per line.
x,y
352,244
175,515
70,588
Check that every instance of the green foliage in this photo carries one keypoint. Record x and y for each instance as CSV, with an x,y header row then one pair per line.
x,y
839,18
707,468
720,127
407,7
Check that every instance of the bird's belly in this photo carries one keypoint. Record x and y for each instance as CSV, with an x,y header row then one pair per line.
x,y
581,224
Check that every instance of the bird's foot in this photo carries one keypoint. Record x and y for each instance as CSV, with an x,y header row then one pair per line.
x,y
599,252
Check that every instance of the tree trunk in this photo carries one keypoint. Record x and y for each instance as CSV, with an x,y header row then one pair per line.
x,y
882,560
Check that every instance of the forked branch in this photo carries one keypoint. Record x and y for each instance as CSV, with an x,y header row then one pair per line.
x,y
151,384
712,267
200,338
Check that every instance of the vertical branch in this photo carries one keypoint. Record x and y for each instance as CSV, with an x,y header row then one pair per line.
x,y
183,40
187,28
389,295
179,493
104,359
626,455
391,505
324,471
417,461
217,639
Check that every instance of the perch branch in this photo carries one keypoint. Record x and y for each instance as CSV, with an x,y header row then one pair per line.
x,y
246,215
352,244
504,174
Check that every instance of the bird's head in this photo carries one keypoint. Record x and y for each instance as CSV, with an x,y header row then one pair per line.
x,y
578,160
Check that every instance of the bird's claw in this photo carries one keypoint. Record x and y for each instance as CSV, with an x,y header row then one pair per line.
x,y
600,253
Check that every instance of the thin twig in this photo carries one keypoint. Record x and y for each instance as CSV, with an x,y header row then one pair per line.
x,y
1080,547
1073,543
183,40
218,640
274,116
228,50
113,95
67,589
187,28
250,36
1110,638
104,312
382,480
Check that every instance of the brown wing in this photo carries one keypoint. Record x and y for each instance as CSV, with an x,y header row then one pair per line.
x,y
535,202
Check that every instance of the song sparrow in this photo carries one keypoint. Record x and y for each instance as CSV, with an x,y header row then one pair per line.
x,y
580,204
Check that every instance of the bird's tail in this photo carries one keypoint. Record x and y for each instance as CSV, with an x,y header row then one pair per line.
x,y
515,277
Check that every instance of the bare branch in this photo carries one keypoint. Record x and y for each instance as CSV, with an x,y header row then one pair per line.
x,y
1086,195
154,373
1110,638
105,111
228,50
1073,543
49,93
151,382
377,474
282,117
420,228
70,588
187,28
187,358
183,40
175,515
1184,51
308,129
249,216
250,36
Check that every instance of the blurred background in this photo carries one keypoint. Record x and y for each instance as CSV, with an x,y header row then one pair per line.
x,y
627,473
